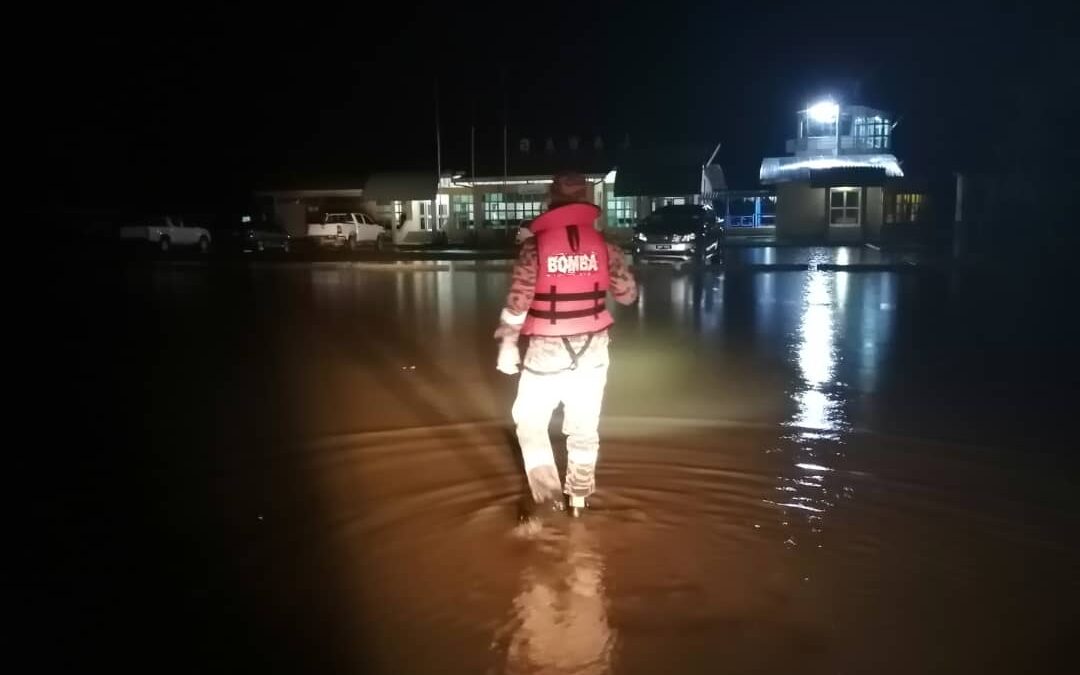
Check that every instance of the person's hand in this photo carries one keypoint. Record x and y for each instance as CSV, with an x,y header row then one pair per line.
x,y
509,360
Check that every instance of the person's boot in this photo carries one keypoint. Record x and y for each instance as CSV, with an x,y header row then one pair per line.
x,y
533,511
545,498
577,506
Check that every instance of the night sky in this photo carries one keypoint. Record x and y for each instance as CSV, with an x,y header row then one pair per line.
x,y
195,102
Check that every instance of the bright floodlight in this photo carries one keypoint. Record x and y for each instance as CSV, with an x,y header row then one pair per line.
x,y
824,111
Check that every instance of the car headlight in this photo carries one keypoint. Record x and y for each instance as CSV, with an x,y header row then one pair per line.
x,y
641,237
684,238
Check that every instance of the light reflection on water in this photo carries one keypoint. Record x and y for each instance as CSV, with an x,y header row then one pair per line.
x,y
559,618
818,428
816,357
834,328
818,424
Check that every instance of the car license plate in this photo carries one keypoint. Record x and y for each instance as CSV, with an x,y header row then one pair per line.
x,y
663,247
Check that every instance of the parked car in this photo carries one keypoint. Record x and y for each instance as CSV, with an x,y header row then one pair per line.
x,y
349,229
679,234
251,234
166,233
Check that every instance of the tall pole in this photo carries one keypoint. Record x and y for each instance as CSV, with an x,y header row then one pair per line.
x,y
438,162
506,156
472,170
438,134
837,150
506,114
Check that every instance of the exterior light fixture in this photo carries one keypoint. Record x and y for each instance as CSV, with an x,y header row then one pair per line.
x,y
825,111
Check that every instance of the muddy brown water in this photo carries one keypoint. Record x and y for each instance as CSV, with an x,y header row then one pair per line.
x,y
305,468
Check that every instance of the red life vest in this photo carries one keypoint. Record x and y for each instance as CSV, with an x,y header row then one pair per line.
x,y
572,279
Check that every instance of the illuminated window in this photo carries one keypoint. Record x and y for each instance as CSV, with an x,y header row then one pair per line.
x,y
511,208
462,208
844,206
494,210
872,133
425,209
908,207
818,129
501,210
621,211
668,201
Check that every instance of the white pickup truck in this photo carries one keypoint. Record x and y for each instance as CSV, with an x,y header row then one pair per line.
x,y
166,232
348,229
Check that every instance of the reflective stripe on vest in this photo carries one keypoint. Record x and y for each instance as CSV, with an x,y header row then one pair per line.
x,y
554,297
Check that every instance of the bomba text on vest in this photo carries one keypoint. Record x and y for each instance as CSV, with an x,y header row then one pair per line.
x,y
572,264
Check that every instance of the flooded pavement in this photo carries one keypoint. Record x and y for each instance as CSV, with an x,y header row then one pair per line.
x,y
310,469
813,257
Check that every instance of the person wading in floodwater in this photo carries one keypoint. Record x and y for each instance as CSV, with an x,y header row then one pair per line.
x,y
557,298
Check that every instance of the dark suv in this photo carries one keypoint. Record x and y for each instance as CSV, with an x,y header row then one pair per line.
x,y
679,234
249,232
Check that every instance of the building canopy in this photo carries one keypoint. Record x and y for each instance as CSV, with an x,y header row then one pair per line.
x,y
785,169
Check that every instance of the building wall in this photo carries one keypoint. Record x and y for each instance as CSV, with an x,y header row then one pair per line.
x,y
295,211
800,210
387,213
292,215
873,212
525,198
601,195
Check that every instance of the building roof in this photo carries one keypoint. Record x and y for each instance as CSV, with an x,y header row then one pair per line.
x,y
667,171
389,186
843,176
538,162
384,186
785,169
302,180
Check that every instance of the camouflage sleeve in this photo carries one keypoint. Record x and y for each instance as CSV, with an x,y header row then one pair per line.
x,y
623,287
522,288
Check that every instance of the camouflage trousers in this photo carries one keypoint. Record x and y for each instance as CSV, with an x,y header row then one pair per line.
x,y
581,391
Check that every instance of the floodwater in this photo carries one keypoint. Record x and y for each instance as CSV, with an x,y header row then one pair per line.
x,y
310,468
